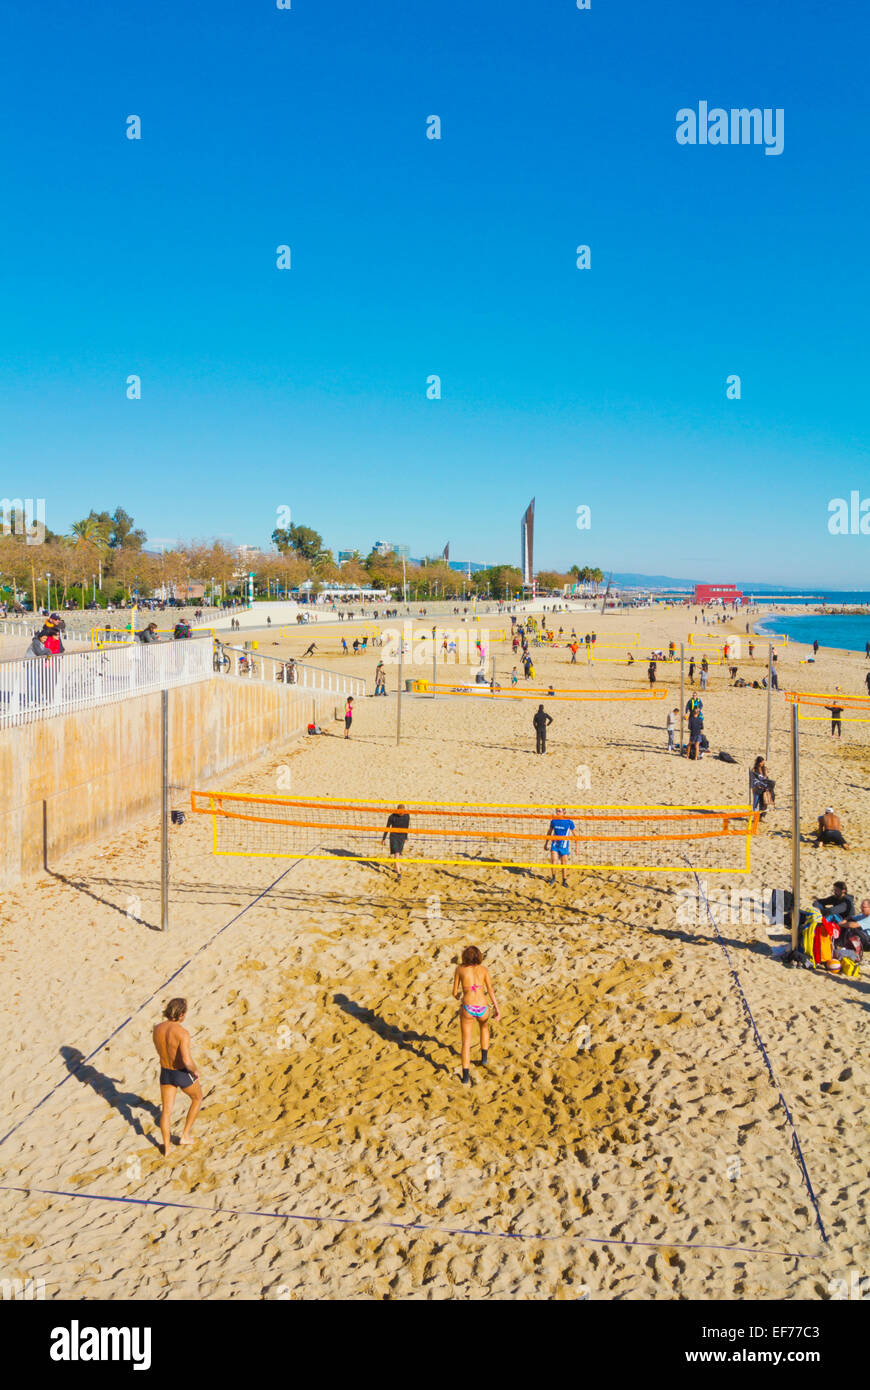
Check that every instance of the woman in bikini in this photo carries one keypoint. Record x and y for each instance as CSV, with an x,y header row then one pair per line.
x,y
472,984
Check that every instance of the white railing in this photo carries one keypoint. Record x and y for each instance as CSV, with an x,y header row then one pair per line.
x,y
40,687
236,661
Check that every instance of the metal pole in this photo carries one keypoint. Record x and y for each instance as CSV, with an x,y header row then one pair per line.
x,y
164,812
682,692
769,680
399,692
795,828
434,660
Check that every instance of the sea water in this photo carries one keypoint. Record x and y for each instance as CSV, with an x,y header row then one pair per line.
x,y
849,631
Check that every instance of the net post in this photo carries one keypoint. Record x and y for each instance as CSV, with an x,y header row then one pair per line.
x,y
769,681
164,811
434,660
399,691
682,691
795,829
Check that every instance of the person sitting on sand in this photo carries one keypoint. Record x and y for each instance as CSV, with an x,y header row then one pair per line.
x,y
471,981
178,1071
838,904
829,831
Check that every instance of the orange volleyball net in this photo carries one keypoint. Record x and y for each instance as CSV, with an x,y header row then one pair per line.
x,y
649,839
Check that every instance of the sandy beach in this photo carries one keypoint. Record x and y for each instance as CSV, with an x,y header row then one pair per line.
x,y
627,1139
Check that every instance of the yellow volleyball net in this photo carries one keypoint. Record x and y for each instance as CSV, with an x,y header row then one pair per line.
x,y
645,839
499,691
704,643
610,642
813,705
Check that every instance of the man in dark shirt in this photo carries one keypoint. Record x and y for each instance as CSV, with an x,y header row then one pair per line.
x,y
397,821
838,904
696,728
541,720
836,717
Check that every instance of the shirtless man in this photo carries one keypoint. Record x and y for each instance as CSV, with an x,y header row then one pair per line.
x,y
829,830
178,1071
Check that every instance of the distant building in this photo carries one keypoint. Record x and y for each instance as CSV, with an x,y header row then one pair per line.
x,y
387,548
717,593
527,544
345,555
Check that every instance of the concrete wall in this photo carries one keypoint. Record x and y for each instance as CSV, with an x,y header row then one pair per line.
x,y
94,772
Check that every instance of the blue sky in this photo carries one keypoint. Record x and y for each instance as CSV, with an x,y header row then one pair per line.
x,y
411,257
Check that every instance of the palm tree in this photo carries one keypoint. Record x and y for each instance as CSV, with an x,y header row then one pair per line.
x,y
90,530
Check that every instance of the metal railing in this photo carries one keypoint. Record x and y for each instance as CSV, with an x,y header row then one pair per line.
x,y
238,661
82,620
41,687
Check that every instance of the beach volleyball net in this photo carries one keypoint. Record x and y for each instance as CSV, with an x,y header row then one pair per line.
x,y
524,692
652,839
854,709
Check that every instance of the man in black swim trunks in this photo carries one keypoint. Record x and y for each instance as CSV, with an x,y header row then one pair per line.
x,y
397,821
178,1071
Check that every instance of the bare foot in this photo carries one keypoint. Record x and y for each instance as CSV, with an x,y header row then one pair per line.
x,y
186,1139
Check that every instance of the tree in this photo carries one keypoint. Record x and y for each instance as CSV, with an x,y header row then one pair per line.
x,y
354,572
91,531
551,579
384,571
307,543
501,581
118,529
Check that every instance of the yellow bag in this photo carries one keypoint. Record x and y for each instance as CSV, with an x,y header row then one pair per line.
x,y
850,968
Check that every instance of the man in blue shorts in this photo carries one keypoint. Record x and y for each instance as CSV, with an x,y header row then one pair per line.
x,y
558,843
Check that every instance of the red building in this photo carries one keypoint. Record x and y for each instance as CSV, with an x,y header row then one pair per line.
x,y
717,593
